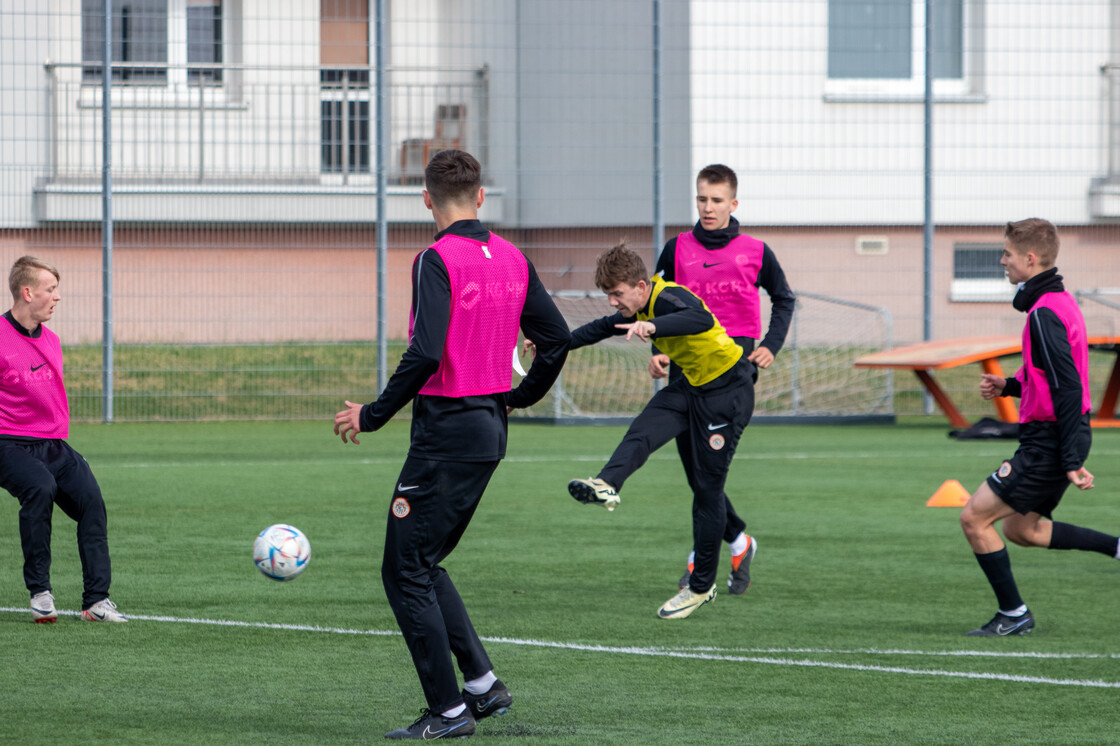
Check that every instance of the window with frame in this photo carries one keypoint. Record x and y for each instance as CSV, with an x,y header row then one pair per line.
x,y
978,275
345,103
344,83
878,46
142,30
204,40
139,35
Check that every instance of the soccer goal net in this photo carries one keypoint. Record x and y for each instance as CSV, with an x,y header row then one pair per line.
x,y
812,377
1101,308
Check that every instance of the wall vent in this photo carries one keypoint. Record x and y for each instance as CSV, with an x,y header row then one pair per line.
x,y
873,245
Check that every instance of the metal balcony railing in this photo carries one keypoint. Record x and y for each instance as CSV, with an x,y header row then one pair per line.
x,y
257,125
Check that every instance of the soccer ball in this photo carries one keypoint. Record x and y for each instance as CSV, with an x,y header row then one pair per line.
x,y
281,552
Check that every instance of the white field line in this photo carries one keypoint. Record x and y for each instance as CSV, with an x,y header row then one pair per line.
x,y
597,458
713,654
896,651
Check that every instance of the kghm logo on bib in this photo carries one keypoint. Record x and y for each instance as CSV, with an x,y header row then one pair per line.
x,y
401,508
717,442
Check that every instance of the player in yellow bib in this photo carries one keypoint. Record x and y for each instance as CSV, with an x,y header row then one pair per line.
x,y
712,401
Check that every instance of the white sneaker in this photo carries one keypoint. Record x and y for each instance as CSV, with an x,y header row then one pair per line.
x,y
103,611
42,608
594,491
685,602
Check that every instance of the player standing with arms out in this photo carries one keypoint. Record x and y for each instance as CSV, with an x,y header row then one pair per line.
x,y
37,466
725,269
712,402
471,291
1054,431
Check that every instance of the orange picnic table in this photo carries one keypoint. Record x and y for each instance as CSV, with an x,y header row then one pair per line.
x,y
925,357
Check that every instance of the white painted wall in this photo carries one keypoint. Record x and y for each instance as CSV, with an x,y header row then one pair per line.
x,y
1028,143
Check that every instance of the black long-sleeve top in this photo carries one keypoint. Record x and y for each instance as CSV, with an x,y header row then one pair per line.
x,y
677,312
468,428
771,278
1051,353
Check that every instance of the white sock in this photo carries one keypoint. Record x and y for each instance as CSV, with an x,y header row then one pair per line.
x,y
739,545
1015,612
692,558
482,684
1117,555
454,712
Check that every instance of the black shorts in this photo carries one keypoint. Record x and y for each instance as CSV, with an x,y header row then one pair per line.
x,y
1031,481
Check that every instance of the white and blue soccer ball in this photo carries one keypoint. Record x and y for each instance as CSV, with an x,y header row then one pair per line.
x,y
281,552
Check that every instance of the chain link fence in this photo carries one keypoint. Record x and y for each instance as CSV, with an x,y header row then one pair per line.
x,y
249,182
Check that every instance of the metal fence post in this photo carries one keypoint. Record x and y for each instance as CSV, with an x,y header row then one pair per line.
x,y
382,184
107,217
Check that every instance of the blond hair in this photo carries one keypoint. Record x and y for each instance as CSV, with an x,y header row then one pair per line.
x,y
25,274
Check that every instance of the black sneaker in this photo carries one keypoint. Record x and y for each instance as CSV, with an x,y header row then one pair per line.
x,y
1003,625
740,580
434,725
497,701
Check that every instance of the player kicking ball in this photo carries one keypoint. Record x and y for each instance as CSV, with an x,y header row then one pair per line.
x,y
712,402
1054,431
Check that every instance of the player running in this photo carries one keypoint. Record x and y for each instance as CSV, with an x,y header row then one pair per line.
x,y
1054,432
712,402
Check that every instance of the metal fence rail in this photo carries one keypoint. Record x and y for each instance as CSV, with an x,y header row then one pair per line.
x,y
266,163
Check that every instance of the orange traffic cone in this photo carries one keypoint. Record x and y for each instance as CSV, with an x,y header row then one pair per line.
x,y
951,494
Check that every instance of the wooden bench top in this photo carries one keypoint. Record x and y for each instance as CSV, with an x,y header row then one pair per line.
x,y
950,353
943,353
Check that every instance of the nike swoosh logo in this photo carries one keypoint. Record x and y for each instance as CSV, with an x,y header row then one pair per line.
x,y
95,614
1001,630
716,427
480,706
402,488
429,733
36,367
666,614
713,264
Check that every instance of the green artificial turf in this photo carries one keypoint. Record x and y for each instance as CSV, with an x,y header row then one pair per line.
x,y
852,632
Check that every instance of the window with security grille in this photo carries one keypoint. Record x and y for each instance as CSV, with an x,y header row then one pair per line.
x,y
977,261
344,108
977,274
204,39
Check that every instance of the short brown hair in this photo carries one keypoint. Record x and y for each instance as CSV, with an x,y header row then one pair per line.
x,y
453,177
25,274
618,265
1037,235
717,173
